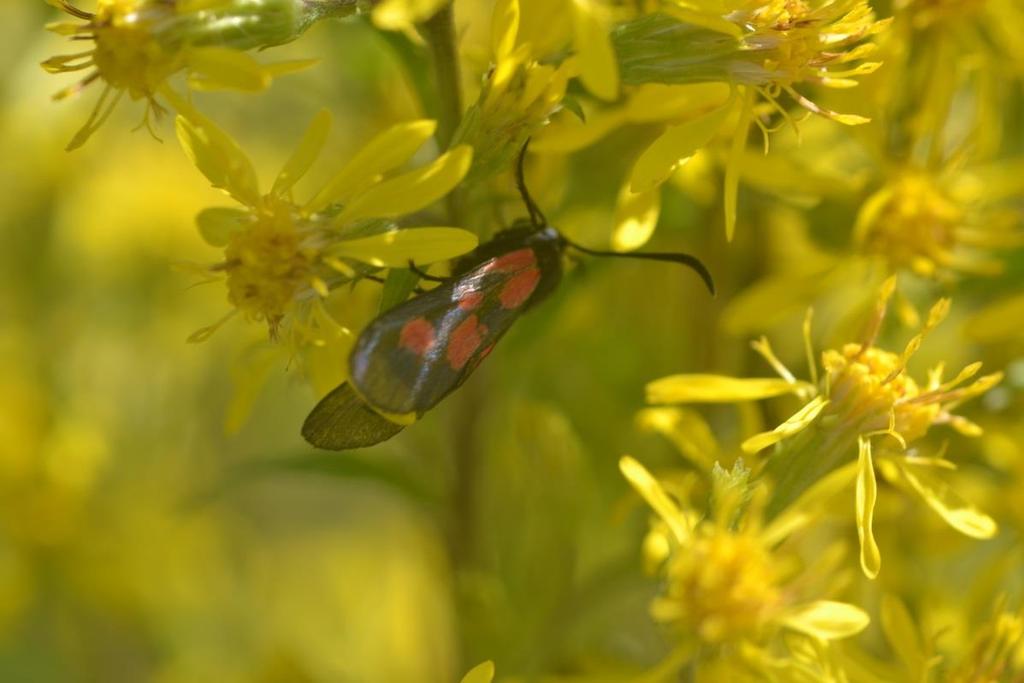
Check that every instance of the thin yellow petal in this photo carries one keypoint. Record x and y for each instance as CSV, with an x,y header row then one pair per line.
x,y
959,514
219,158
732,165
306,153
902,634
673,148
402,15
410,191
708,20
716,389
385,152
867,492
504,28
685,428
796,423
827,620
651,491
599,69
636,215
221,68
396,248
481,673
217,224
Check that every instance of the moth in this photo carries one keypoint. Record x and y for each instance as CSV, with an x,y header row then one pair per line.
x,y
412,356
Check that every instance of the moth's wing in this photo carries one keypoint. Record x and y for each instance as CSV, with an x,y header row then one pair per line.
x,y
342,420
414,355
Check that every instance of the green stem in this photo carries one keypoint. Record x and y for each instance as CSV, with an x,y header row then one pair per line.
x,y
439,32
802,461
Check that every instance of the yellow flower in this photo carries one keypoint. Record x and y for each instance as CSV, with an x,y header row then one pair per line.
x,y
935,224
283,259
953,647
729,589
863,393
518,96
763,50
138,45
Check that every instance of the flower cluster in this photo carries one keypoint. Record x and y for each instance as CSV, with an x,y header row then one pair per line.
x,y
864,158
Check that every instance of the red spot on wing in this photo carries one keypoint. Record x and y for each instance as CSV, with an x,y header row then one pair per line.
x,y
464,341
471,300
417,335
519,287
512,261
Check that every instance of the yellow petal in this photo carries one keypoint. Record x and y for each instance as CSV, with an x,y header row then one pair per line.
x,y
796,423
959,514
704,19
636,215
662,103
219,158
396,248
674,148
504,28
218,224
305,154
481,673
902,634
652,492
732,164
385,152
599,69
410,191
221,68
402,15
827,620
685,428
867,492
567,133
716,389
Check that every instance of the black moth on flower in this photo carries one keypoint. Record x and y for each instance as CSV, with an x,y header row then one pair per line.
x,y
413,355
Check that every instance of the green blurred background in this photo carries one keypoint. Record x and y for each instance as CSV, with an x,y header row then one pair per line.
x,y
140,542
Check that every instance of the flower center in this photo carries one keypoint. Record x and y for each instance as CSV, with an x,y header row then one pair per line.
x,y
268,266
916,226
128,54
723,586
868,386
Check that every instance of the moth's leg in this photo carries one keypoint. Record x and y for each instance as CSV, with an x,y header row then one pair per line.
x,y
423,275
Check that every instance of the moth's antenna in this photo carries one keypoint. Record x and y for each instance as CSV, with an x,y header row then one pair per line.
x,y
536,216
687,260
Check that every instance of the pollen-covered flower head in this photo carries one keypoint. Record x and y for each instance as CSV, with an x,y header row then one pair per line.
x,y
770,46
517,97
861,393
282,258
138,45
940,224
726,581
